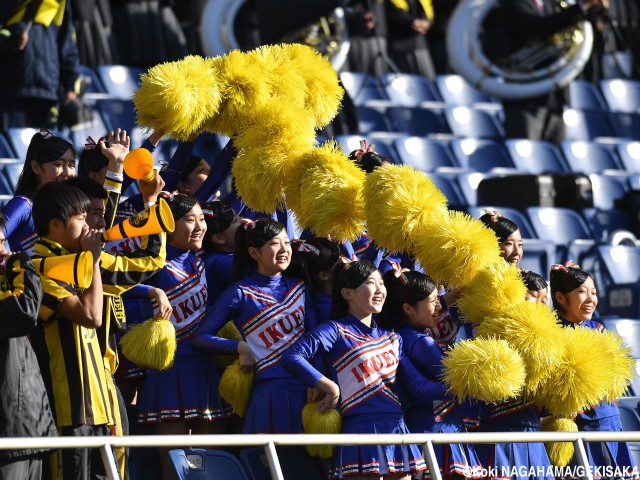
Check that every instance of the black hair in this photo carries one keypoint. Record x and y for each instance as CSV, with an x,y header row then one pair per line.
x,y
347,275
307,263
3,221
534,281
502,226
219,216
89,187
368,161
43,148
565,279
57,200
179,203
92,160
192,163
409,287
255,234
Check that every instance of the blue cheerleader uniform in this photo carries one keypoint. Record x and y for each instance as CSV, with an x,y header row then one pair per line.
x,y
368,362
19,230
271,313
218,268
442,414
507,458
604,417
323,304
189,389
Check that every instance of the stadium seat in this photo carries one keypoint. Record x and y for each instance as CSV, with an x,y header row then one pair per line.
x,y
516,216
629,413
197,463
294,462
585,125
448,187
5,149
629,153
535,156
120,81
118,113
629,331
618,64
361,87
607,189
604,222
418,122
621,95
94,129
617,271
469,122
468,183
349,143
625,125
409,90
584,95
564,227
424,154
538,256
370,120
19,138
91,80
588,157
455,90
11,169
481,155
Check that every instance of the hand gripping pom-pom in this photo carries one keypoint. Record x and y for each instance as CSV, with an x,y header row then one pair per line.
x,y
315,421
152,344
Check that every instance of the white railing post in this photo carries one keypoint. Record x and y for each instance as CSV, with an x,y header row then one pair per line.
x,y
432,461
109,461
274,463
583,459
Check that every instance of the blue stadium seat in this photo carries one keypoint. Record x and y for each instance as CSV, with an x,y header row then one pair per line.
x,y
93,82
117,113
468,183
538,256
198,463
469,122
481,155
535,156
19,138
629,330
625,125
621,95
604,222
455,90
11,170
424,154
607,189
6,188
418,122
629,153
349,143
409,90
94,129
5,149
565,228
120,81
618,64
516,216
584,95
585,125
629,413
588,157
617,271
448,187
370,120
294,462
362,87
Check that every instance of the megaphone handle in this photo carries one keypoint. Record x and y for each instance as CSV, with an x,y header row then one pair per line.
x,y
149,176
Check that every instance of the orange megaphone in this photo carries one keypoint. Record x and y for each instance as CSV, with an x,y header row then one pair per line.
x,y
76,268
138,164
155,219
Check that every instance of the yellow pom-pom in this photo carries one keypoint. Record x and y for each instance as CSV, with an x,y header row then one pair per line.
x,y
484,369
621,364
326,193
533,330
152,344
315,421
177,98
230,332
397,199
560,453
243,91
453,246
492,291
580,379
235,387
323,90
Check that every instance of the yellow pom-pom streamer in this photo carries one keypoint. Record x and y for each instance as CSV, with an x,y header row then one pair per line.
x,y
621,363
484,369
397,199
315,421
493,291
533,330
235,387
560,453
330,195
152,344
453,246
177,98
230,332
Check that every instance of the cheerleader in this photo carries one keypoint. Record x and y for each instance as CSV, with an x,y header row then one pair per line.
x,y
271,311
367,361
537,288
413,305
508,233
49,159
184,399
575,298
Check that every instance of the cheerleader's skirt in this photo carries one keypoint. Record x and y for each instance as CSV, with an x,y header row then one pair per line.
x,y
376,459
456,458
186,391
276,406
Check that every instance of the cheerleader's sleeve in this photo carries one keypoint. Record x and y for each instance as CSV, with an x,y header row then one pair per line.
x,y
226,308
311,347
426,354
174,170
310,316
16,212
416,386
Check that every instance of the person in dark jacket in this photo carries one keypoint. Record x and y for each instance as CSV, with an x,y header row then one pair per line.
x,y
41,71
24,405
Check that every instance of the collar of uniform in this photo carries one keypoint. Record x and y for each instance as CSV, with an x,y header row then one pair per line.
x,y
48,248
